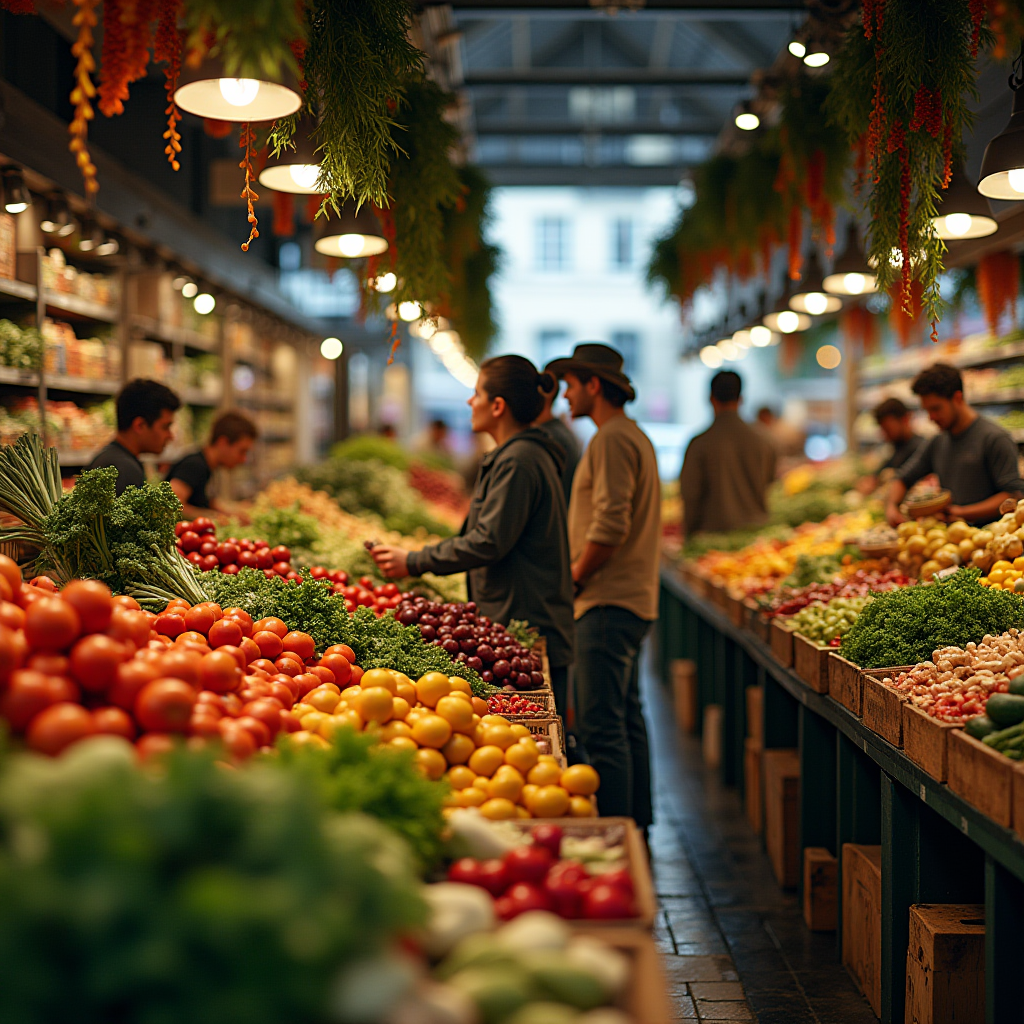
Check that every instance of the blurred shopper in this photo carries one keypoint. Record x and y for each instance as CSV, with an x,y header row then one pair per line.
x,y
614,537
974,458
560,433
513,545
893,419
727,469
231,439
435,441
145,417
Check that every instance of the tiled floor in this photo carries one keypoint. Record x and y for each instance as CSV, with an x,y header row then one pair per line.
x,y
735,946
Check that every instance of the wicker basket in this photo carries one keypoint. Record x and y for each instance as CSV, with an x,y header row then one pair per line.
x,y
920,507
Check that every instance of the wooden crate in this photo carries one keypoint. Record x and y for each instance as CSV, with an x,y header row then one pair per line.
x,y
614,831
821,889
862,920
946,964
780,636
781,768
755,713
882,706
753,798
646,999
684,693
695,581
755,621
924,740
549,729
711,735
982,776
719,596
736,610
540,646
810,662
844,682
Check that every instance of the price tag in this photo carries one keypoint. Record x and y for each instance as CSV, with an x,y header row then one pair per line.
x,y
963,825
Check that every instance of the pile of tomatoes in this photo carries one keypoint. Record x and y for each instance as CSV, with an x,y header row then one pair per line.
x,y
512,704
533,877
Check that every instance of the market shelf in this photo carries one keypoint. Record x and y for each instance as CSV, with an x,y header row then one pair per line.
x,y
17,289
196,396
62,303
59,382
905,365
156,331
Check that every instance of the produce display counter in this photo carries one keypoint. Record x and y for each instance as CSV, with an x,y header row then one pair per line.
x,y
857,785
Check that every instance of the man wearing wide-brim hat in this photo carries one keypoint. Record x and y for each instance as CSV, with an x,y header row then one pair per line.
x,y
614,538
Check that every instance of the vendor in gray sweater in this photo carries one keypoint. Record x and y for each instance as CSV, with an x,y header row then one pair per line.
x,y
514,544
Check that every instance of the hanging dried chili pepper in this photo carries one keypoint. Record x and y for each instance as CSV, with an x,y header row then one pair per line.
x,y
284,215
85,21
170,41
396,340
998,280
794,240
247,141
905,319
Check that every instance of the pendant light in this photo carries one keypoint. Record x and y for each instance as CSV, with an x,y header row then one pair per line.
x,y
355,234
851,274
295,170
784,320
1002,167
205,92
57,219
963,212
812,297
17,198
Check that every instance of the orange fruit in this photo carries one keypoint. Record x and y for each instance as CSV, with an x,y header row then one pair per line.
x,y
460,684
498,809
486,760
520,756
470,797
459,776
373,729
380,677
323,700
304,738
407,692
581,807
415,713
527,794
522,812
456,711
496,735
401,679
399,707
351,692
311,721
302,708
580,780
506,782
463,697
351,718
375,704
520,731
394,728
479,705
330,726
548,757
459,749
431,687
549,802
431,731
430,762
403,743
544,773
482,783
494,720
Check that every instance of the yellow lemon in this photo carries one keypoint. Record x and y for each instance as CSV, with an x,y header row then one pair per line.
x,y
482,783
520,731
383,677
498,809
544,773
496,735
430,762
394,728
471,797
520,756
581,807
403,743
459,749
527,794
375,704
458,713
311,720
460,684
431,731
323,700
407,692
549,802
506,782
351,718
486,760
580,780
459,776
522,812
431,687
399,707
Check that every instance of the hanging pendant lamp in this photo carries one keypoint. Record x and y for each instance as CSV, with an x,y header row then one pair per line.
x,y
812,297
295,170
963,212
784,320
851,274
1002,167
354,235
206,92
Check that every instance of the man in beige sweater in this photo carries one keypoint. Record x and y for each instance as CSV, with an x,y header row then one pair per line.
x,y
614,536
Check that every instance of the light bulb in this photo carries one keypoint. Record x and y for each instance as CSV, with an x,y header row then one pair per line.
x,y
16,207
728,349
957,224
1015,177
815,303
747,121
427,329
742,339
816,60
331,348
190,289
409,311
351,245
304,175
239,92
760,336
855,284
204,303
385,282
788,321
711,357
829,357
797,49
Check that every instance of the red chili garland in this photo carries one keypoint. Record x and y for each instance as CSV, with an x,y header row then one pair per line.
x,y
998,282
247,141
169,43
85,21
284,215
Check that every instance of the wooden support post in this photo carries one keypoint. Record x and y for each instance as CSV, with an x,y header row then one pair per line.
x,y
780,715
900,888
1004,939
817,745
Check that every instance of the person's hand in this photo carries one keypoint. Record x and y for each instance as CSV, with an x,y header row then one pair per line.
x,y
392,561
951,513
893,515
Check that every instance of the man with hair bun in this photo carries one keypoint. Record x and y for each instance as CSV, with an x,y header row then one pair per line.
x,y
727,469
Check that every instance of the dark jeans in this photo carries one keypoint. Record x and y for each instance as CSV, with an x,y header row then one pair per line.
x,y
609,718
560,688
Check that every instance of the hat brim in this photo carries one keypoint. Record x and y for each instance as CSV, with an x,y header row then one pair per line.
x,y
560,367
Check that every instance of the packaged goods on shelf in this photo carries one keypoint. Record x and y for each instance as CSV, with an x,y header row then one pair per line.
x,y
71,427
86,358
64,278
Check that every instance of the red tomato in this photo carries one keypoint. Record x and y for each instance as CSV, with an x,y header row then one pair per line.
x,y
95,660
494,876
225,633
208,547
131,625
606,902
325,675
264,559
282,568
180,528
258,729
339,665
357,674
177,606
300,644
28,692
289,666
190,636
13,651
209,562
195,558
170,625
154,745
228,553
181,663
465,870
114,721
250,650
289,723
130,678
619,878
58,726
288,681
203,525
527,896
246,545
262,665
165,705
389,589
318,572
237,653
528,863
51,624
219,671
11,572
204,723
214,700
282,692
272,624
232,704
243,618
248,560
49,663
11,615
239,742
269,643
252,689
366,582
505,908
190,541
200,618
306,681
280,554
44,583
92,600
549,836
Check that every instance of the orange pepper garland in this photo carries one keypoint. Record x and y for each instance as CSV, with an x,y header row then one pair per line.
x,y
248,142
170,41
998,281
85,21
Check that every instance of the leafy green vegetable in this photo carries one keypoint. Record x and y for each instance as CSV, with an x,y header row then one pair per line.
x,y
522,631
904,626
196,894
287,526
817,568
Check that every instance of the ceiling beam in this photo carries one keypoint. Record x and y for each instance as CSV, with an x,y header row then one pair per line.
x,y
494,127
605,76
583,177
583,8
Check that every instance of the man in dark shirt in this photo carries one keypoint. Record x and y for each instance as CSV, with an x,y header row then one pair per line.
x,y
145,415
561,435
893,419
231,439
973,457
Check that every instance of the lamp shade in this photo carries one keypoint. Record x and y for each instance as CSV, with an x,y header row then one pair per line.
x,y
354,234
295,170
963,212
1002,167
851,274
811,297
206,92
784,320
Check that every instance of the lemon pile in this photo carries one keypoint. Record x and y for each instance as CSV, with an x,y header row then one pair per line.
x,y
490,763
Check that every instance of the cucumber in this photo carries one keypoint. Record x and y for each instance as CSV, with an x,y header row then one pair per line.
x,y
1017,684
1005,709
979,726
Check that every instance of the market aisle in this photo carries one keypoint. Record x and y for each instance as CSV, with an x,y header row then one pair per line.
x,y
735,945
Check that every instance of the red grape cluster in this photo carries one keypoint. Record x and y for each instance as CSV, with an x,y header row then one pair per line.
x,y
197,541
510,704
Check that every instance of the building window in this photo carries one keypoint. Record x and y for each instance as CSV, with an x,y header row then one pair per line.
x,y
627,343
622,244
553,343
552,243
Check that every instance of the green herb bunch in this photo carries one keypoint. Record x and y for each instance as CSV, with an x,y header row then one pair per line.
x,y
21,348
288,526
194,894
904,626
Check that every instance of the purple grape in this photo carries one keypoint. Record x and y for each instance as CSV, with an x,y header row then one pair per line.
x,y
485,652
427,632
537,679
501,669
407,616
475,664
451,646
